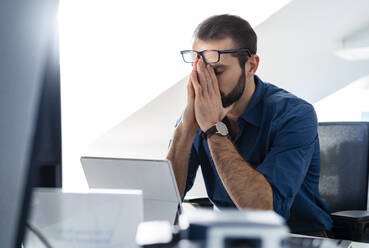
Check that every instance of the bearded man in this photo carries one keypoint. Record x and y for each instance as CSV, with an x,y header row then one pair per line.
x,y
256,143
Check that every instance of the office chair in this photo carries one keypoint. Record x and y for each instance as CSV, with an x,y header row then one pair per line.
x,y
344,148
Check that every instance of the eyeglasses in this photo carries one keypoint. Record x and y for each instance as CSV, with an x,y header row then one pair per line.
x,y
209,56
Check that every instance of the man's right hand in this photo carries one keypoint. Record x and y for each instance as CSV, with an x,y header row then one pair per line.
x,y
189,120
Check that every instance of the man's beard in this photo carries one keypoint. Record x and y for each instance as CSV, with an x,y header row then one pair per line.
x,y
236,93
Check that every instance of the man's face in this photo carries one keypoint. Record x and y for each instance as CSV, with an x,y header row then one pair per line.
x,y
231,77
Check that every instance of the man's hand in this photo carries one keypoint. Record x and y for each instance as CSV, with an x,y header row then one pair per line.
x,y
208,103
188,119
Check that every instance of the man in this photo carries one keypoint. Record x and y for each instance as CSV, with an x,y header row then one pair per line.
x,y
257,144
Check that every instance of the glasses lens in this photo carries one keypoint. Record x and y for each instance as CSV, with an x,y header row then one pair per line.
x,y
211,56
189,56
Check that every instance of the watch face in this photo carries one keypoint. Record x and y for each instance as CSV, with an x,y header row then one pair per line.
x,y
222,128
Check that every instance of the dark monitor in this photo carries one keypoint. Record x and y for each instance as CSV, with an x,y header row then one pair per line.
x,y
30,128
47,146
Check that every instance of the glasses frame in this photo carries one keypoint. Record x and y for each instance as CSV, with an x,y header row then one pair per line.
x,y
219,53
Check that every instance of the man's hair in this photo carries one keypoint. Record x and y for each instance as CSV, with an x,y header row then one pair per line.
x,y
223,26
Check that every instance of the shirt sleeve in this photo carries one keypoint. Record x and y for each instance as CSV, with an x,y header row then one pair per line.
x,y
288,160
175,126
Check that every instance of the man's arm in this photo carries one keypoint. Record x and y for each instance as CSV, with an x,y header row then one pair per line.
x,y
184,135
247,187
179,154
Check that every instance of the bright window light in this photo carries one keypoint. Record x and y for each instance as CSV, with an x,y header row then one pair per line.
x,y
347,104
118,55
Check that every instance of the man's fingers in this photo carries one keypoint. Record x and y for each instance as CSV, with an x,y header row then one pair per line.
x,y
190,92
195,83
209,83
214,79
193,76
202,76
194,65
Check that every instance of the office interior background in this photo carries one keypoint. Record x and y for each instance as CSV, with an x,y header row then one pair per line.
x,y
123,81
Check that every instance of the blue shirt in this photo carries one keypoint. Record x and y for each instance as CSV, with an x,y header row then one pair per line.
x,y
277,137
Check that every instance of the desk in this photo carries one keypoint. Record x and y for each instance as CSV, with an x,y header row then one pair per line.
x,y
189,207
353,244
359,245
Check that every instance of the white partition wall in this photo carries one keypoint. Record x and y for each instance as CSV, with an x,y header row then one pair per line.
x,y
116,57
120,98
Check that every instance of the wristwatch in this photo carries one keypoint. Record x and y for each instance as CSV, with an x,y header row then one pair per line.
x,y
220,129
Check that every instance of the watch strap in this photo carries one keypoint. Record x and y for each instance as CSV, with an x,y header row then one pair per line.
x,y
211,131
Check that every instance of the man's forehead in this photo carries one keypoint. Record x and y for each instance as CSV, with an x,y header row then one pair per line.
x,y
223,44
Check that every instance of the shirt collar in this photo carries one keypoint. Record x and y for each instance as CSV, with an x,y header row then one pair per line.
x,y
253,112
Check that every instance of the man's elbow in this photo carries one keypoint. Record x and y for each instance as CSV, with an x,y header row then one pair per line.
x,y
262,200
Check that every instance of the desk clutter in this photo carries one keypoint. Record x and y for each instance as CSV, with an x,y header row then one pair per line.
x,y
227,229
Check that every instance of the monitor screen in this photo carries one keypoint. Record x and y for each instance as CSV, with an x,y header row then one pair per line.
x,y
30,133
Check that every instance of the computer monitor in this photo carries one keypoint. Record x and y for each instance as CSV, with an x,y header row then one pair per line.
x,y
29,108
47,148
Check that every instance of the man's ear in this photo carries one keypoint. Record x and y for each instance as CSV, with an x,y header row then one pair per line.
x,y
253,64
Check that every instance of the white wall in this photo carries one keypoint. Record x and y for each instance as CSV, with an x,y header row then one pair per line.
x,y
346,104
297,47
116,56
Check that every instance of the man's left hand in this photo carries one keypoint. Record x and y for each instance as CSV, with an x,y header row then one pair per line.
x,y
208,102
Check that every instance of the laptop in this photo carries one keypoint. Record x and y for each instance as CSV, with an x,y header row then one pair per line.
x,y
155,178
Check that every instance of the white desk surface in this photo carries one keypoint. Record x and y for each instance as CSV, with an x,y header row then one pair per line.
x,y
188,206
353,244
